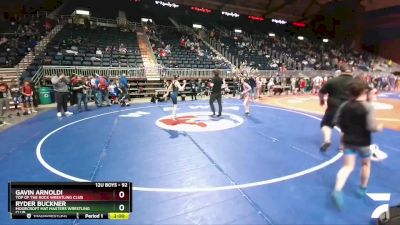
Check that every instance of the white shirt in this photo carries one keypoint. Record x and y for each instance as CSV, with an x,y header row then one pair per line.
x,y
317,80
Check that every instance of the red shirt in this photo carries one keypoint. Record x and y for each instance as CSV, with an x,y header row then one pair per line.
x,y
303,84
3,90
27,90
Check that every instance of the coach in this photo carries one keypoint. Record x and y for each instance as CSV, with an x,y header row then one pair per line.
x,y
336,88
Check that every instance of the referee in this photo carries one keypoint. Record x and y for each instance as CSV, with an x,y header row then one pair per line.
x,y
336,88
216,84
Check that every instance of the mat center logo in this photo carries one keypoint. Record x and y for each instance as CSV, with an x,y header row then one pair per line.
x,y
199,122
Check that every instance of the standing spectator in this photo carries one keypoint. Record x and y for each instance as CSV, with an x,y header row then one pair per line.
x,y
270,85
60,84
193,89
73,81
27,98
81,90
201,87
4,101
16,96
258,87
216,84
123,94
93,91
125,86
317,82
303,85
102,91
35,95
224,86
113,92
293,85
235,86
253,84
263,85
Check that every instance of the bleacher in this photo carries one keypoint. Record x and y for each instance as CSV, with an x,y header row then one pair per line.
x,y
265,53
76,45
19,36
184,57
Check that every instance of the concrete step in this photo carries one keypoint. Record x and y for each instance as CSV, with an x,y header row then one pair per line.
x,y
153,78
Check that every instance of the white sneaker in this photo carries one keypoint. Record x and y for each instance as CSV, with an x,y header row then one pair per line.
x,y
29,112
59,114
34,111
68,113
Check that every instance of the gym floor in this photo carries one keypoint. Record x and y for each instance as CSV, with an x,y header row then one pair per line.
x,y
262,169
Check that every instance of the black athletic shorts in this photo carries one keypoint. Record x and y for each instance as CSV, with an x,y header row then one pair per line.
x,y
328,118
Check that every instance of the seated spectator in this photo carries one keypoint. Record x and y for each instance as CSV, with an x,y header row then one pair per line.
x,y
94,59
108,49
182,43
69,51
122,49
99,52
162,53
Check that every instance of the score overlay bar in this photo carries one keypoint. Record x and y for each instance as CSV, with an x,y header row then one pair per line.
x,y
66,200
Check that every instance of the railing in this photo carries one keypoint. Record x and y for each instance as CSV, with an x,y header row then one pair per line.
x,y
192,73
224,51
88,71
313,73
185,73
12,71
295,73
37,76
100,21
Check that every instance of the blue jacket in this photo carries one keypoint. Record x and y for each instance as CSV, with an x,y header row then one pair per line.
x,y
123,81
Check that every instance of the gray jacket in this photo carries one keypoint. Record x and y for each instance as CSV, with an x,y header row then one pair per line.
x,y
60,85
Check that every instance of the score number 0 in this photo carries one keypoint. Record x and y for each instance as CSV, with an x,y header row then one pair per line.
x,y
121,195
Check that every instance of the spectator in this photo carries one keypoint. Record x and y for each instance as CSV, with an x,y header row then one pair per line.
x,y
99,52
27,98
81,90
102,91
113,92
124,85
4,101
122,49
60,84
16,96
193,89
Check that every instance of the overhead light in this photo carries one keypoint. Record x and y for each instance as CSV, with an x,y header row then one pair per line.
x,y
325,40
82,12
257,18
197,26
271,34
298,24
279,21
145,20
232,14
168,4
300,38
198,9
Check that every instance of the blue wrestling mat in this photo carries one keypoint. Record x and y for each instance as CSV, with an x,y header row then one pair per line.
x,y
262,169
